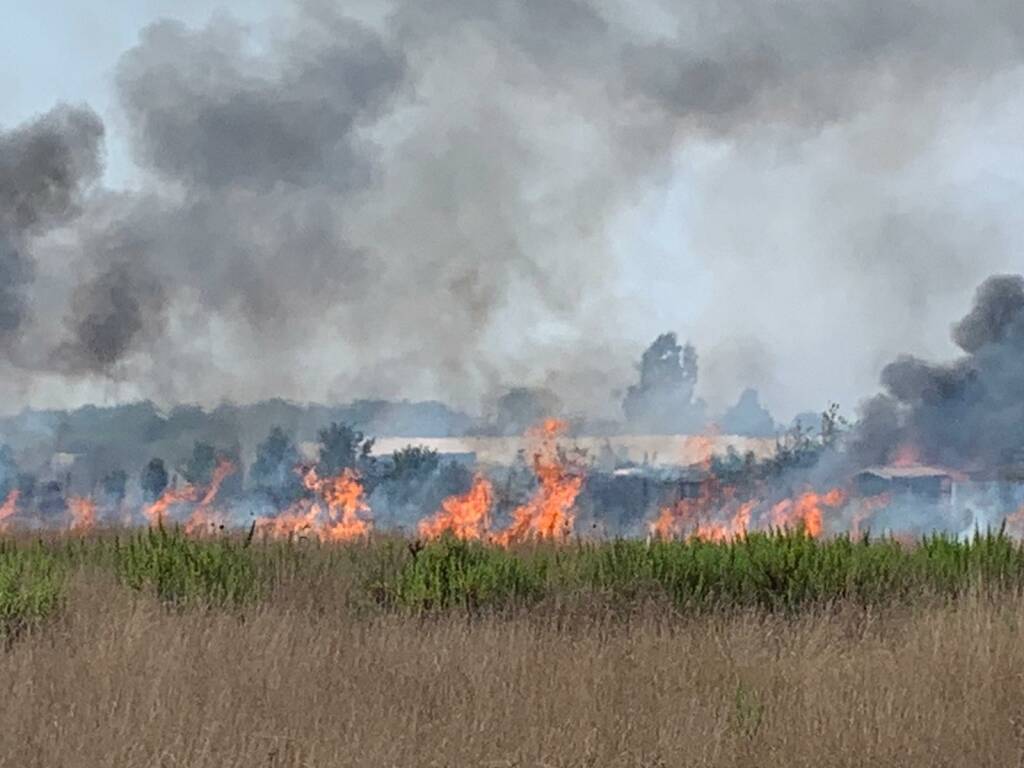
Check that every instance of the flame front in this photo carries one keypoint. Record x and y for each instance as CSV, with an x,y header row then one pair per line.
x,y
9,508
83,513
550,513
341,512
805,511
156,513
465,516
203,518
717,516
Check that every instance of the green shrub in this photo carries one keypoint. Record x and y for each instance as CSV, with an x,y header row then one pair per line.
x,y
181,570
32,584
774,571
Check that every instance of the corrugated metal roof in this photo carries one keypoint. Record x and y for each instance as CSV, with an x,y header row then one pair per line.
x,y
912,471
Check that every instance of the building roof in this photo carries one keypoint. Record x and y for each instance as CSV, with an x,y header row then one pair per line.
x,y
912,471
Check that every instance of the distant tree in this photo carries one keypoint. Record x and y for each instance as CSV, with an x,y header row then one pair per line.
x,y
273,472
663,400
52,503
522,407
198,470
748,417
833,424
114,484
154,479
413,461
342,446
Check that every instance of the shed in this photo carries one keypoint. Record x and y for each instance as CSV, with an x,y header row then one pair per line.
x,y
929,482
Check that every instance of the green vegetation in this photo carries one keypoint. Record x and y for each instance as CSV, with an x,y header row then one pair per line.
x,y
31,587
775,572
181,570
780,571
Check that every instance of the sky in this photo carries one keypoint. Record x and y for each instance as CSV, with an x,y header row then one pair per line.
x,y
800,231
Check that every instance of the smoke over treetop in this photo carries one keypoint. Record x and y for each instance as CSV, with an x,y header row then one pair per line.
x,y
408,207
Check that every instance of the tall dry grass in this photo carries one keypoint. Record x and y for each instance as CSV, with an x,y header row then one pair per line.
x,y
119,680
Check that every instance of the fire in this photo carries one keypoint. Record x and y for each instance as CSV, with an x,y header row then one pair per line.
x,y
716,516
1015,522
689,518
550,513
703,448
341,512
345,505
9,508
296,521
83,513
156,513
806,510
203,519
907,455
466,516
865,510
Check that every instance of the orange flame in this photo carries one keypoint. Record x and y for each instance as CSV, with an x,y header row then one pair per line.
x,y
9,508
156,513
203,519
466,516
298,520
907,455
865,511
1015,523
806,511
684,520
340,514
83,513
550,513
716,516
704,445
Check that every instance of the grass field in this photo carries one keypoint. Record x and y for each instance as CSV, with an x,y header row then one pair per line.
x,y
153,649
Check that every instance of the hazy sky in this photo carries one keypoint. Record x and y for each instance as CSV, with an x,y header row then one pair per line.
x,y
800,244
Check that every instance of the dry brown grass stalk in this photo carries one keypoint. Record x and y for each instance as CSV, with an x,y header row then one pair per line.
x,y
120,681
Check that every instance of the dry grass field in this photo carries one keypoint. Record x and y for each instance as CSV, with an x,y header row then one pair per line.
x,y
308,676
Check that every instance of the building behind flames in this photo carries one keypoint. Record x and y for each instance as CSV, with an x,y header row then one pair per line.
x,y
934,484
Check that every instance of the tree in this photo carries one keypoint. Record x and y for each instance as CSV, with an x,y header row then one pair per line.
x,y
748,417
154,479
522,407
274,471
198,470
52,503
833,424
114,484
662,401
342,447
413,461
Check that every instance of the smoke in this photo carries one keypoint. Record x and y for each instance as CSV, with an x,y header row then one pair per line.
x,y
109,314
967,412
425,204
45,167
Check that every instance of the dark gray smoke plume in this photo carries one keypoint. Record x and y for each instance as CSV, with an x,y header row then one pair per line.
x,y
45,167
110,313
967,413
425,203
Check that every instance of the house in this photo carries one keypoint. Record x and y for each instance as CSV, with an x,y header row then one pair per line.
x,y
933,483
